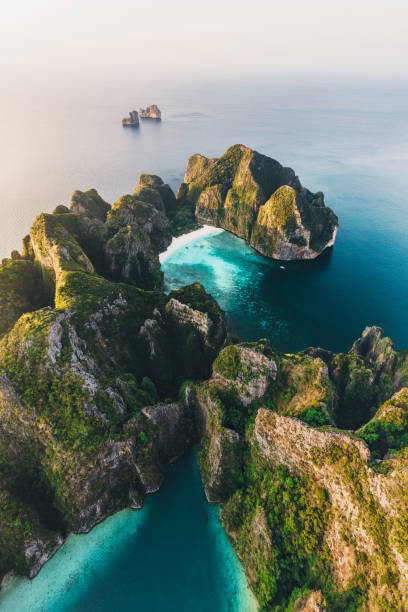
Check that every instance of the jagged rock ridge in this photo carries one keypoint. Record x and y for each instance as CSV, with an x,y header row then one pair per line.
x,y
310,507
90,414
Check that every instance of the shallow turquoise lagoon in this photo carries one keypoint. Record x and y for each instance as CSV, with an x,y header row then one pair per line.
x,y
172,555
326,302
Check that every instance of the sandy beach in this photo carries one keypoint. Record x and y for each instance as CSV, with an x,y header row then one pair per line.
x,y
180,241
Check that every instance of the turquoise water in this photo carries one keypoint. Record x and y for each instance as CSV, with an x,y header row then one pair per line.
x,y
350,141
172,555
362,281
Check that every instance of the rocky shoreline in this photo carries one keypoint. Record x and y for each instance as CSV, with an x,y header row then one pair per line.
x,y
105,380
259,200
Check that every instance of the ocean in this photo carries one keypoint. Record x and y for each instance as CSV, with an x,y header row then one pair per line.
x,y
349,140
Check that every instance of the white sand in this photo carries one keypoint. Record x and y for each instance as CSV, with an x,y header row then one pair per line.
x,y
180,241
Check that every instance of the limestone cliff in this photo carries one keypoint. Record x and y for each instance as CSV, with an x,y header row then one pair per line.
x,y
254,197
90,414
317,514
137,232
121,242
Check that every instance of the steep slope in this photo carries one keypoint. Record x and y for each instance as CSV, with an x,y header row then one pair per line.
x,y
308,507
254,197
89,384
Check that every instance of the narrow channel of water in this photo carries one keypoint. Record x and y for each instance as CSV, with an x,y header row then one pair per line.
x,y
173,555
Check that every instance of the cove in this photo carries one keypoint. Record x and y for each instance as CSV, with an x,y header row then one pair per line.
x,y
326,302
171,555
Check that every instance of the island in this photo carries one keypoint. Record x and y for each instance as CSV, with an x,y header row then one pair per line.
x,y
151,112
105,379
132,120
261,201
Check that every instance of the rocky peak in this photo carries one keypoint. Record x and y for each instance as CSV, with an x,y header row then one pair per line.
x,y
151,112
132,120
246,370
258,199
150,179
139,232
89,204
376,349
152,189
60,210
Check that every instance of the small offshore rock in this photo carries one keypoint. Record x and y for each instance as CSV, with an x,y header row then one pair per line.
x,y
132,120
151,112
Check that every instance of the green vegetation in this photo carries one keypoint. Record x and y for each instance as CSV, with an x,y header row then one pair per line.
x,y
18,522
254,197
21,291
318,219
223,171
196,297
291,514
90,204
280,210
313,417
282,507
228,362
235,415
388,429
357,394
382,438
183,220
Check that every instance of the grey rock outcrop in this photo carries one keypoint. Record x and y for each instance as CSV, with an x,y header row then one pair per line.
x,y
152,189
151,112
132,120
88,204
139,232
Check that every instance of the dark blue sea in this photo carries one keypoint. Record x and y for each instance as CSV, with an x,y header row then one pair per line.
x,y
349,140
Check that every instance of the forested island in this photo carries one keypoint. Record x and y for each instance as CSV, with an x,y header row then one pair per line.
x,y
105,379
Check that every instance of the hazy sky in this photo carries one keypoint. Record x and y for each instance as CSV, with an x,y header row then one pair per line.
x,y
195,37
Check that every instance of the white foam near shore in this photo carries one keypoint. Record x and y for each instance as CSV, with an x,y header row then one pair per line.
x,y
180,241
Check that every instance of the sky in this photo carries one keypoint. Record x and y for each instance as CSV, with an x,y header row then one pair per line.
x,y
163,38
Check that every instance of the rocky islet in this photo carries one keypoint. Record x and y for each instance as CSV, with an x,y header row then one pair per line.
x,y
261,201
151,112
132,120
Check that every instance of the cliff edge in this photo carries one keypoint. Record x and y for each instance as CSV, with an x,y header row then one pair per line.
x,y
256,198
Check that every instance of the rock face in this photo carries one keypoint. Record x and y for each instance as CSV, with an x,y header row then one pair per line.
x,y
257,199
151,112
318,515
132,120
137,233
121,242
87,204
85,424
21,291
152,189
